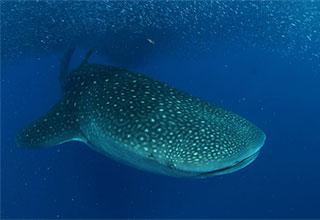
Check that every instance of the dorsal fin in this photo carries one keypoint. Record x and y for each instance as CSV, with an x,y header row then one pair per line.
x,y
59,125
85,59
64,65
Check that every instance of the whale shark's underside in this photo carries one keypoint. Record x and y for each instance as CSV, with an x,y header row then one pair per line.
x,y
143,122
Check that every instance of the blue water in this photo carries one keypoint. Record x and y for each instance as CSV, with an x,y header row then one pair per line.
x,y
245,65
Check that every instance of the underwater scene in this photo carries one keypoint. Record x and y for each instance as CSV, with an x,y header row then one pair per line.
x,y
160,109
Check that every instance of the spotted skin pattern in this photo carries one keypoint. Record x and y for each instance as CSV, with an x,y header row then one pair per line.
x,y
145,123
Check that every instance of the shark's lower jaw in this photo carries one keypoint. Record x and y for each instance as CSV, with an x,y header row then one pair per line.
x,y
237,166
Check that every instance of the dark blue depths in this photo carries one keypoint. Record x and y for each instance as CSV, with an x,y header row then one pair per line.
x,y
279,92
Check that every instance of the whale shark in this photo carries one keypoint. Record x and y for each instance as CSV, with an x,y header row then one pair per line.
x,y
140,121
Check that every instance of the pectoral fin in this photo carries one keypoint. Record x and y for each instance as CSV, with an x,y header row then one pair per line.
x,y
57,126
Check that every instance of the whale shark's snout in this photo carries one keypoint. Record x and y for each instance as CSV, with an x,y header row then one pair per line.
x,y
246,154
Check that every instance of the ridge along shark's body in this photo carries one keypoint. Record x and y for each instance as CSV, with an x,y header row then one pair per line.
x,y
140,121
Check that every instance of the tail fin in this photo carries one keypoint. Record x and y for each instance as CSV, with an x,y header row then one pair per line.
x,y
86,57
64,65
55,127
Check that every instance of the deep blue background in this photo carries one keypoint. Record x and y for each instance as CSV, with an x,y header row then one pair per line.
x,y
280,95
278,92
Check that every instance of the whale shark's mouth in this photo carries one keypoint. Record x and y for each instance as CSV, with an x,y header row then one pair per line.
x,y
238,165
